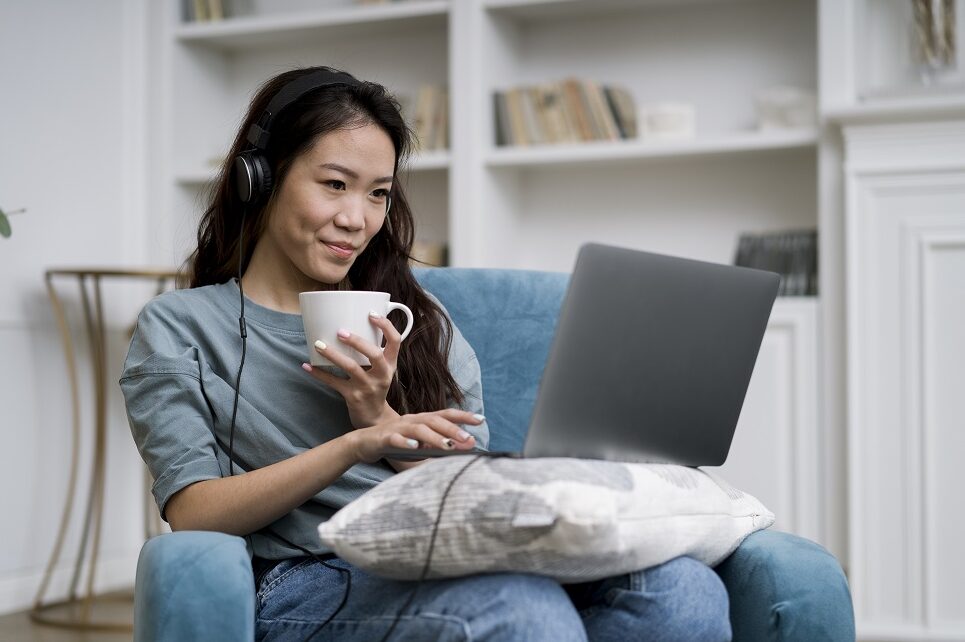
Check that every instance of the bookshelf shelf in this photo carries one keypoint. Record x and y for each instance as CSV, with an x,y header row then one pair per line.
x,y
913,108
541,9
595,152
430,161
284,29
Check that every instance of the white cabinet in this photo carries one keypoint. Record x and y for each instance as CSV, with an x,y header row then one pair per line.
x,y
906,358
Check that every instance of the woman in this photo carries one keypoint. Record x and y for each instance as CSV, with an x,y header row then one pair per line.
x,y
315,205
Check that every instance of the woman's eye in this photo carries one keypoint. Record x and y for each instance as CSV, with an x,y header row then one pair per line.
x,y
380,193
336,184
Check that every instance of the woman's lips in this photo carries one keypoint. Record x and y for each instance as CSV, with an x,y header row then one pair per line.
x,y
341,252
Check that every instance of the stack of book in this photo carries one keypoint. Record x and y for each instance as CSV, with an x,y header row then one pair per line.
x,y
203,10
792,254
428,115
568,111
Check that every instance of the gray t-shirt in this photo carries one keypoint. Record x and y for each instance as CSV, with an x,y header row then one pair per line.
x,y
179,386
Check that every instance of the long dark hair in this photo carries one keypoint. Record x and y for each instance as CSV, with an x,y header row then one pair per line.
x,y
423,381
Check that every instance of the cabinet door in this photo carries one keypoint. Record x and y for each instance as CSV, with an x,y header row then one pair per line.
x,y
906,362
774,455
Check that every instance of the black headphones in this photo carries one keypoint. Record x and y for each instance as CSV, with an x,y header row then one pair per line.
x,y
253,176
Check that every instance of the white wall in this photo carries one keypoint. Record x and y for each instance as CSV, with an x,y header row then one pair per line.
x,y
72,118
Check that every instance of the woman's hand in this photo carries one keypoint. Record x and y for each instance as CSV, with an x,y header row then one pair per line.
x,y
367,386
439,429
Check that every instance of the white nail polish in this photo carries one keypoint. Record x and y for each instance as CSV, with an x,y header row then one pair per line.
x,y
320,345
411,443
479,417
375,315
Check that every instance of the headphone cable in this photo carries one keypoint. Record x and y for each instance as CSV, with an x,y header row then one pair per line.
x,y
432,543
231,432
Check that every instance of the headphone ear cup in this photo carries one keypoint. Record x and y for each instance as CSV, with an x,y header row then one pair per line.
x,y
265,179
252,176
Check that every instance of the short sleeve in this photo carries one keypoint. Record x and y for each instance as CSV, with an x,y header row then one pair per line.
x,y
169,416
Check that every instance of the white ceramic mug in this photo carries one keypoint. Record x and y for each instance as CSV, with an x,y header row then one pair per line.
x,y
325,313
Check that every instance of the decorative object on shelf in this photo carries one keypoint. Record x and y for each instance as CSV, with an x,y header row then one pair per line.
x,y
793,254
429,116
568,111
785,107
933,37
78,610
203,10
5,229
668,121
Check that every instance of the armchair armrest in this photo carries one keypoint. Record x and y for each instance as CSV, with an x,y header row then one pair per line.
x,y
786,588
194,585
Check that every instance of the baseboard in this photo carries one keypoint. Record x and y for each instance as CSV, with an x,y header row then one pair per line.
x,y
18,590
906,633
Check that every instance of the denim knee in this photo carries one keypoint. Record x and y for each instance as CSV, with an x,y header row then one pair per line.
x,y
681,600
517,606
693,601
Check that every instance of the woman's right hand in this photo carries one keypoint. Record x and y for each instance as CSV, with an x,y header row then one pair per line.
x,y
439,429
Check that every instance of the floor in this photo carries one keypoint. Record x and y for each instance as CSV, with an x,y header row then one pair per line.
x,y
117,607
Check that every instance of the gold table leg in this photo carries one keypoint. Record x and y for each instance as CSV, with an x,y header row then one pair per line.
x,y
77,612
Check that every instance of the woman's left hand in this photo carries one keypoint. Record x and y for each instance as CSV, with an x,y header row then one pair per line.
x,y
366,387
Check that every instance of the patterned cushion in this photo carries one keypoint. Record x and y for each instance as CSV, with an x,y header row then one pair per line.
x,y
574,520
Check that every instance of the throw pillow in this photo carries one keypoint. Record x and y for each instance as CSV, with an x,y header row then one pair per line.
x,y
575,520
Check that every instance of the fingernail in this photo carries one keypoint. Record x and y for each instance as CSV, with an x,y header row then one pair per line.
x,y
375,315
463,435
344,334
448,444
307,367
320,345
479,417
411,443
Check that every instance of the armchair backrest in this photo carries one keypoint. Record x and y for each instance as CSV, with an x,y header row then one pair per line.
x,y
508,317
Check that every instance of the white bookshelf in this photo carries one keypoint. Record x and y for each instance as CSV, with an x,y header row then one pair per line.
x,y
533,207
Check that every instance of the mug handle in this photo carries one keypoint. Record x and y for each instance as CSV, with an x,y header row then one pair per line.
x,y
391,305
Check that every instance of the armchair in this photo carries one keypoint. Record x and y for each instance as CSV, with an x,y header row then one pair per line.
x,y
199,586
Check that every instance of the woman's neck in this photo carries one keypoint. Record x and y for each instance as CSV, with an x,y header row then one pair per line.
x,y
271,284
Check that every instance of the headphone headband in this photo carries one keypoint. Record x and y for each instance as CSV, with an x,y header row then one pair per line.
x,y
260,131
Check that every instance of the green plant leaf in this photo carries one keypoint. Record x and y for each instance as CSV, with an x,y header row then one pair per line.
x,y
5,230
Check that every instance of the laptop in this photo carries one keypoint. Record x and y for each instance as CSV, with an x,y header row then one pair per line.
x,y
650,362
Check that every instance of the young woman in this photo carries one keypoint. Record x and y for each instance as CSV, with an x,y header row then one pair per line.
x,y
270,449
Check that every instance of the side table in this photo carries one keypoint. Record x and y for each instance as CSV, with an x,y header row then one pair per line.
x,y
76,611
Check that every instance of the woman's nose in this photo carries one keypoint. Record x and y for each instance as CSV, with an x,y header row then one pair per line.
x,y
352,214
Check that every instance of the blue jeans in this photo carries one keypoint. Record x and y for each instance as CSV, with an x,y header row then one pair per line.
x,y
680,600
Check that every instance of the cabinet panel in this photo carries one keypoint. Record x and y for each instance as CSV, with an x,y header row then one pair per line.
x,y
906,334
774,455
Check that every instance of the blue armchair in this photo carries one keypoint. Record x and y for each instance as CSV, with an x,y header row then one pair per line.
x,y
199,585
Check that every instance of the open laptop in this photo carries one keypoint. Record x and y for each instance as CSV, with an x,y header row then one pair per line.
x,y
650,362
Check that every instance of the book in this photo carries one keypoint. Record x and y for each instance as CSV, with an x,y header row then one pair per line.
x,y
624,110
606,124
576,108
517,119
793,254
501,124
534,130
